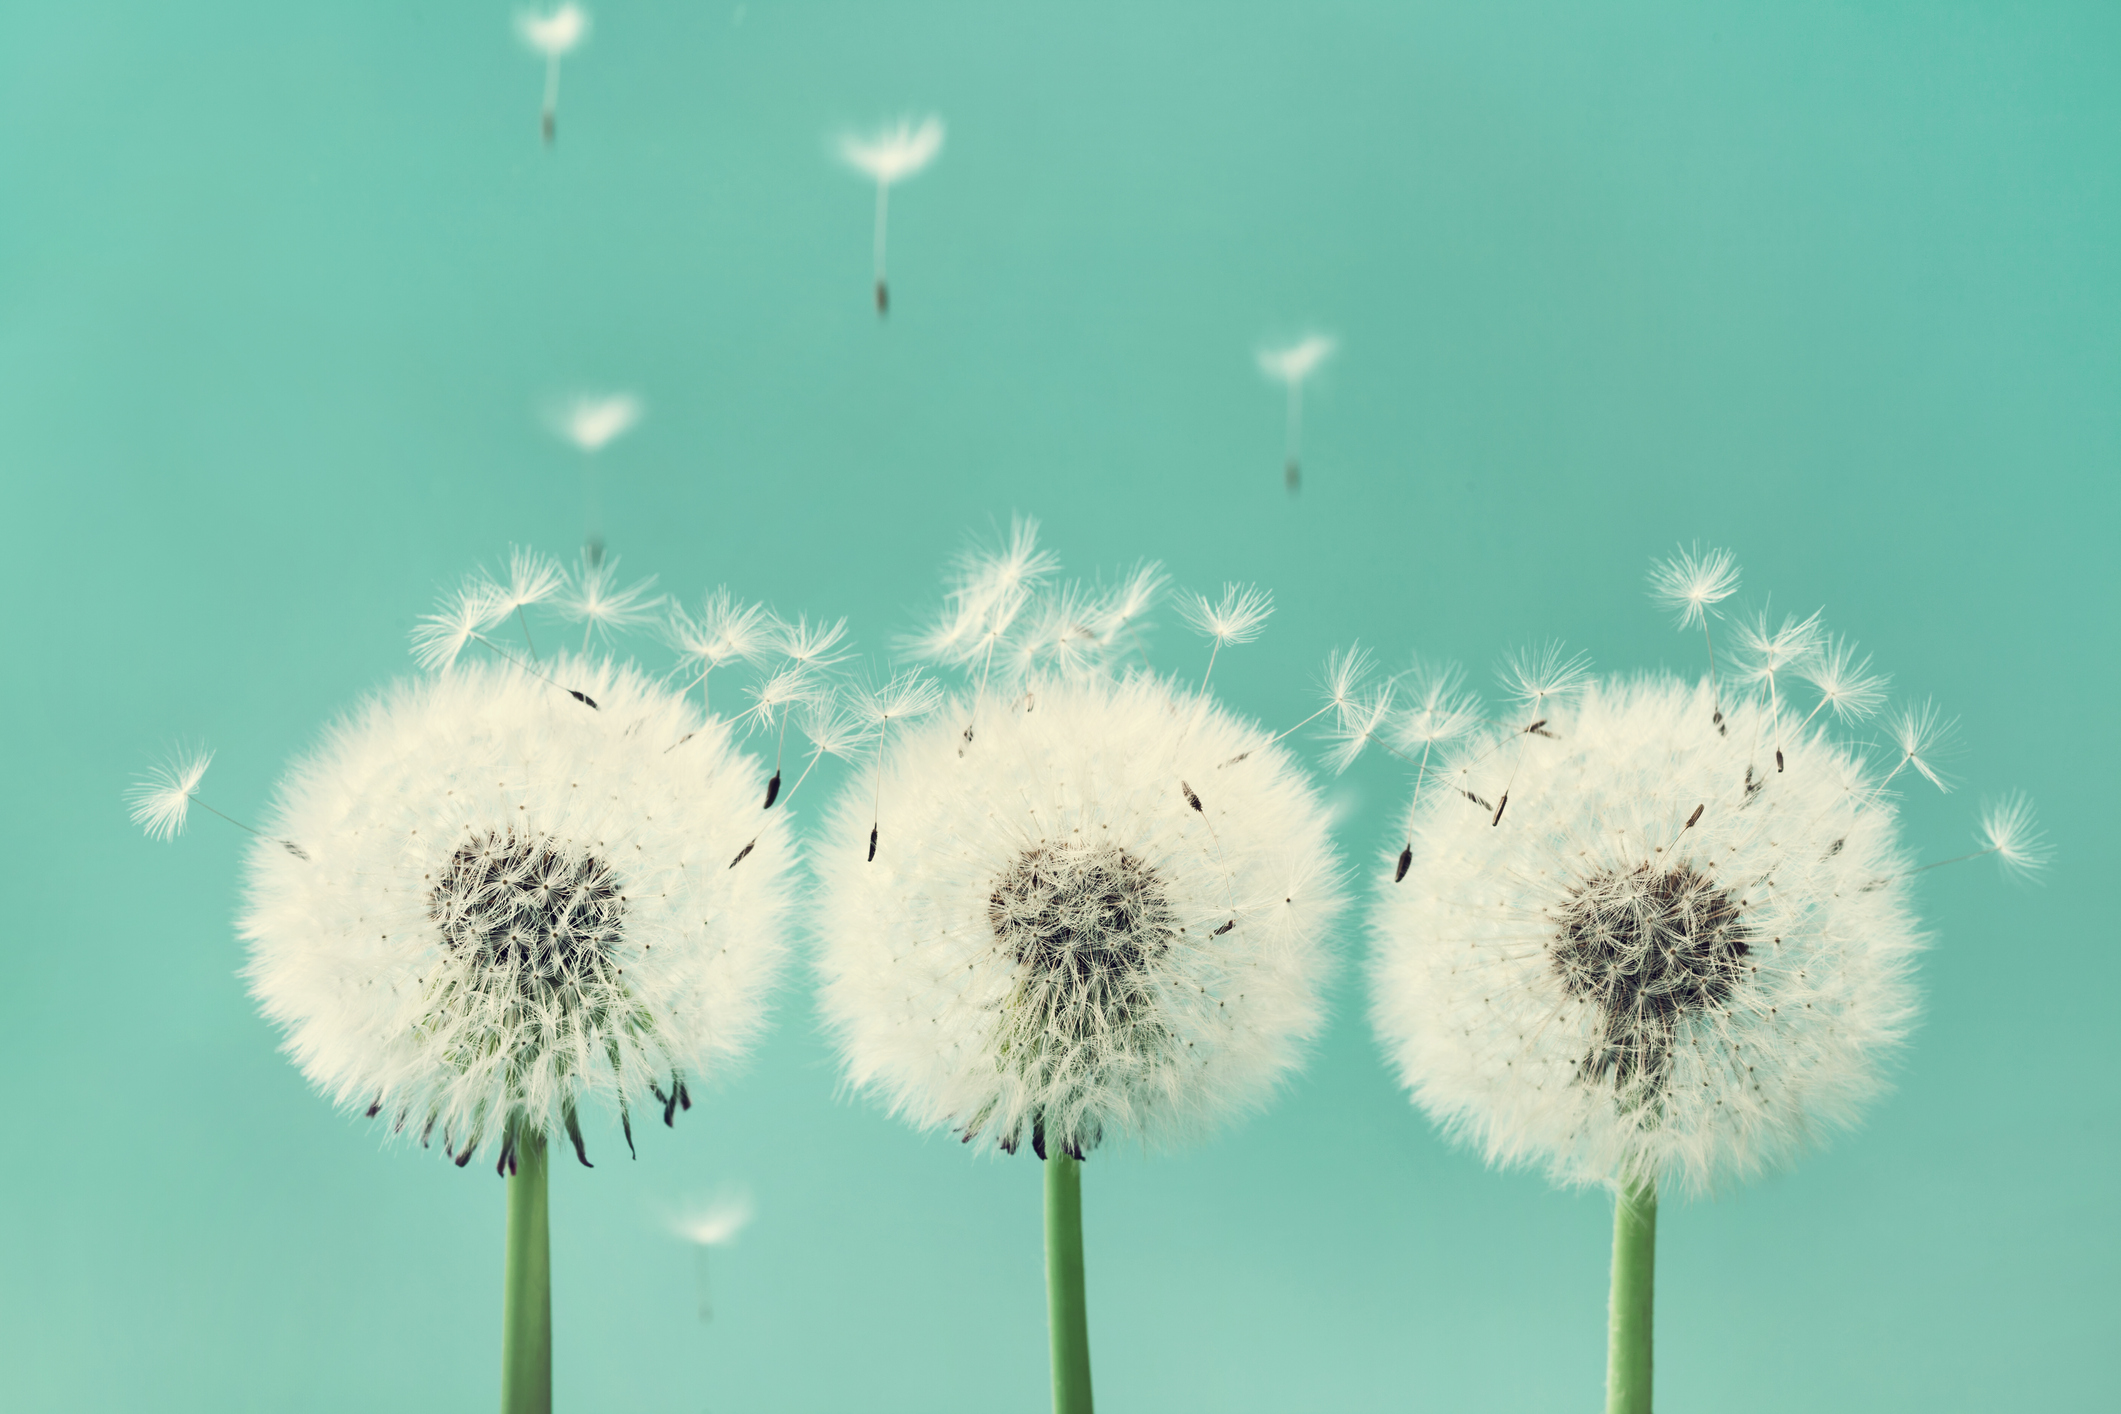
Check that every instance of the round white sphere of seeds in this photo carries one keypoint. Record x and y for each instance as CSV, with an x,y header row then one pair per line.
x,y
1097,907
1632,948
497,898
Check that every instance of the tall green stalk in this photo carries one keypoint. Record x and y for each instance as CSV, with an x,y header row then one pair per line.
x,y
1632,1317
526,1295
1065,1318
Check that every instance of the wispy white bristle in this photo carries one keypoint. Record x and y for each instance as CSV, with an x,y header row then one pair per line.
x,y
595,599
1694,581
717,1222
161,799
1845,682
1237,617
2010,830
1293,363
896,151
554,32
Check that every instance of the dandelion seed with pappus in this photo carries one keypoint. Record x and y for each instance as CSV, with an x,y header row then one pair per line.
x,y
1670,965
1291,366
1097,907
499,891
889,156
553,34
590,423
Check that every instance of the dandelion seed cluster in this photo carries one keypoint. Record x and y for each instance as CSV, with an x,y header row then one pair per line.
x,y
513,900
1654,930
1100,901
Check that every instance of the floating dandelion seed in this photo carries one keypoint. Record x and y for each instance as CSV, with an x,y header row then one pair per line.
x,y
1238,617
162,798
1291,366
594,598
715,1224
891,155
727,631
591,423
553,34
2010,832
1672,965
1088,922
1846,683
1766,654
1922,736
1691,584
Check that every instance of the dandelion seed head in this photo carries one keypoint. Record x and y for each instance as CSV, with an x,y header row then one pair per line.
x,y
509,903
1667,960
161,799
1055,946
894,152
1694,581
1056,933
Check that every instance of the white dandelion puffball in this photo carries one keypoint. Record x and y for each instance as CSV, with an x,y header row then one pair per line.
x,y
1104,910
1633,949
513,899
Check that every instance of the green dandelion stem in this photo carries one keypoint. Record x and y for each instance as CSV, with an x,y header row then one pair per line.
x,y
1627,1373
1070,1328
526,1296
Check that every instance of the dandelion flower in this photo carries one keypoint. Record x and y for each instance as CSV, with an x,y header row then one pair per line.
x,y
512,904
891,155
1101,913
1668,962
1678,960
1290,366
553,34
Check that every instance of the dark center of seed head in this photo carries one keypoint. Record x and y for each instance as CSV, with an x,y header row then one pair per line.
x,y
1648,949
1085,926
535,918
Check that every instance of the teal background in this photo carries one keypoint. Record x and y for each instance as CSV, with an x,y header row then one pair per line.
x,y
282,288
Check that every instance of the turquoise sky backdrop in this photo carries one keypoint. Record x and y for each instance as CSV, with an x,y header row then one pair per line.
x,y
283,288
